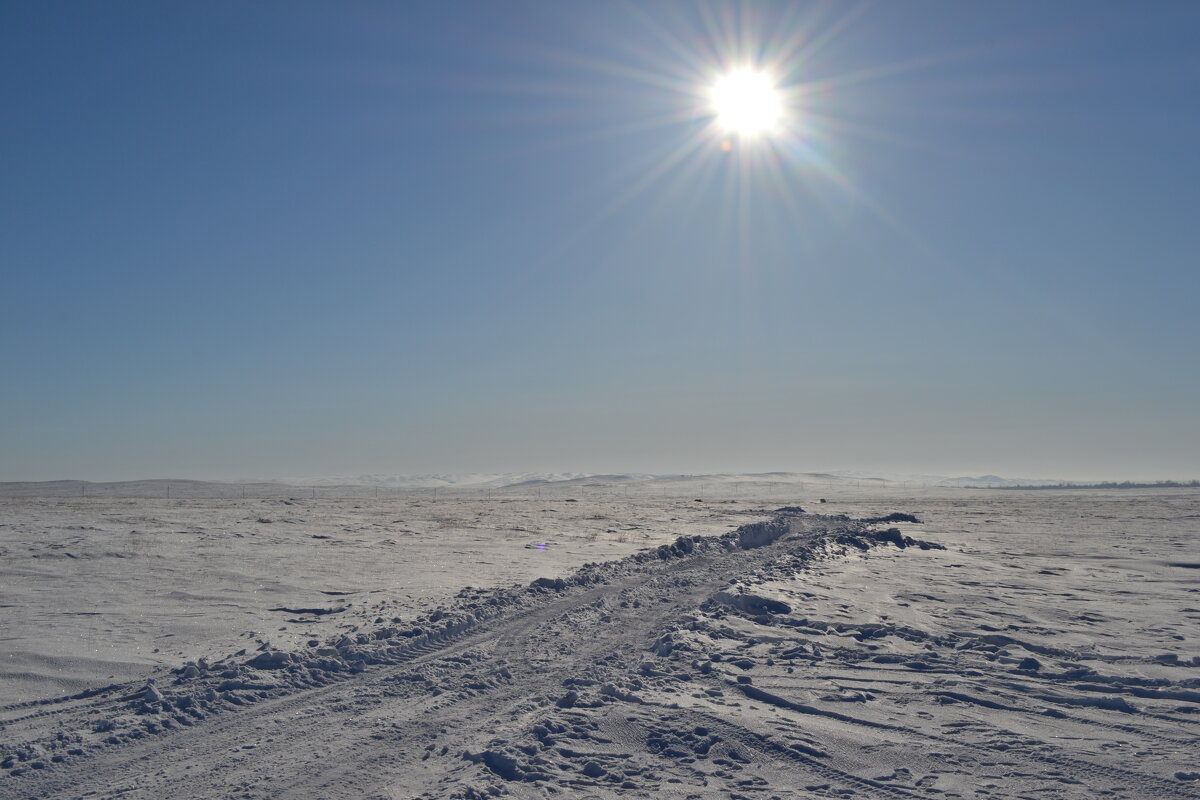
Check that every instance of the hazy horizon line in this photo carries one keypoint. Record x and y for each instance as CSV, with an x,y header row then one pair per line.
x,y
377,478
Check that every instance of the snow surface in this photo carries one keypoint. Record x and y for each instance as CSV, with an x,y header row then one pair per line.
x,y
603,639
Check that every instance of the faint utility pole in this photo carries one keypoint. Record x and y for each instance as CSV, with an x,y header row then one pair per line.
x,y
168,491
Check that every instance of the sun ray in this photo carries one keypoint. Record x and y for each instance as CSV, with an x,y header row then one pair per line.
x,y
698,62
808,49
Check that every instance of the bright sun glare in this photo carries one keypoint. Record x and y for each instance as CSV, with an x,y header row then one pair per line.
x,y
747,103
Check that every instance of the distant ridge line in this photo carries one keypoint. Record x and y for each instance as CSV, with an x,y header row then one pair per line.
x,y
1104,485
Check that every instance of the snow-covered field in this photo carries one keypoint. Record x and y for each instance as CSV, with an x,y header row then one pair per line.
x,y
688,638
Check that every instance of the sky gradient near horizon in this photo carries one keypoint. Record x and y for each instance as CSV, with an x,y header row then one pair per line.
x,y
251,240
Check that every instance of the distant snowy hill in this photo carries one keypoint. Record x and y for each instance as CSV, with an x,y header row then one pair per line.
x,y
466,480
962,481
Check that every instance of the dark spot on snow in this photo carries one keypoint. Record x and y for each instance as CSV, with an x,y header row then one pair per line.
x,y
893,517
316,612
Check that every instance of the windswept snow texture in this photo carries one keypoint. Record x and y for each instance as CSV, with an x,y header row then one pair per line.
x,y
897,645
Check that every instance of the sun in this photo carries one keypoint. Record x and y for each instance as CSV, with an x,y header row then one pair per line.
x,y
747,103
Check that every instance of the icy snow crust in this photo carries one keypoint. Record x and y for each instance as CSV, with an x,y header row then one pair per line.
x,y
1005,647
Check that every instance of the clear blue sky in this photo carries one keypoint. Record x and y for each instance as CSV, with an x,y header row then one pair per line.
x,y
261,239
